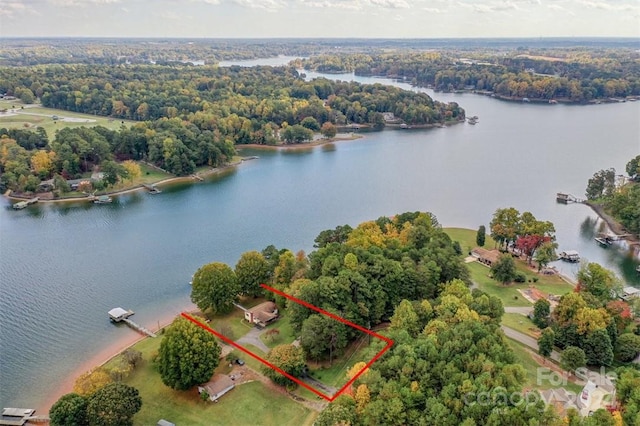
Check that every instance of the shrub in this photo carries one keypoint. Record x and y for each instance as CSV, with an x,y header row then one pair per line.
x,y
520,278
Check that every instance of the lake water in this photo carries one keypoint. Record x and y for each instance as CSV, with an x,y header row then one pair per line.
x,y
62,267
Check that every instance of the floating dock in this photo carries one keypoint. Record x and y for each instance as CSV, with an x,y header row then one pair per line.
x,y
122,315
22,204
102,199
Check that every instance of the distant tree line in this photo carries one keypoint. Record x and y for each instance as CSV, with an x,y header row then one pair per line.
x,y
578,75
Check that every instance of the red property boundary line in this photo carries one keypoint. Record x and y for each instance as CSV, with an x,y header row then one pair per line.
x,y
284,373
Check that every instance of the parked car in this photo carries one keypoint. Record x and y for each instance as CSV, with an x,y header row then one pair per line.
x,y
239,361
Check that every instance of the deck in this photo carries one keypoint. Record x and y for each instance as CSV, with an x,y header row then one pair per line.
x,y
122,315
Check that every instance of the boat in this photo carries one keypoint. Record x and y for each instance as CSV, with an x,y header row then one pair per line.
x,y
103,199
569,256
152,189
472,120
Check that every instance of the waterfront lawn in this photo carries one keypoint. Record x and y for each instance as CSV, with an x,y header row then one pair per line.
x,y
467,239
242,406
508,294
231,325
520,323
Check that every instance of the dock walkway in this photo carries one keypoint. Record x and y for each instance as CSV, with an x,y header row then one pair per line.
x,y
138,327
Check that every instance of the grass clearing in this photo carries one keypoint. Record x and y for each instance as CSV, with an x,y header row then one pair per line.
x,y
508,294
467,239
524,357
286,333
32,116
248,404
521,323
231,325
335,375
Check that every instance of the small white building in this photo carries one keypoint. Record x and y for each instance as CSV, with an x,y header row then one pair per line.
x,y
629,293
218,386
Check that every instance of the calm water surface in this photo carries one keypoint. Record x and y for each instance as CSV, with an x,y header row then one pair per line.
x,y
62,267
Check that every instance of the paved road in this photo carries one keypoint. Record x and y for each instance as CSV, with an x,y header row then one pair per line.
x,y
526,340
253,338
603,381
524,310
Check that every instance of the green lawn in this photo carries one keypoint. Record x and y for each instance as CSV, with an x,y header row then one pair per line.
x,y
335,375
287,334
508,294
25,120
467,239
231,325
520,323
248,404
524,357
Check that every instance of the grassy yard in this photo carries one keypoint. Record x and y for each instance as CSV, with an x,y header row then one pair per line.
x,y
467,239
335,375
231,325
248,404
32,117
286,335
508,294
520,323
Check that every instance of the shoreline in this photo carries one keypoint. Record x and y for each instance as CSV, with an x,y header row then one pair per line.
x,y
299,146
616,228
170,180
105,355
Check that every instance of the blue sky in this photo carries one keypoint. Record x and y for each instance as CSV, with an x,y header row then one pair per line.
x,y
320,18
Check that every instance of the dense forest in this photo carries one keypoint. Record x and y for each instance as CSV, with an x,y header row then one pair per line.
x,y
577,74
406,273
189,116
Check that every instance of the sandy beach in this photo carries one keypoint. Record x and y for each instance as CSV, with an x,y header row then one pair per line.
x,y
128,339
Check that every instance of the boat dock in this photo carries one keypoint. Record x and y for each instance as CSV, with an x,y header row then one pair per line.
x,y
22,204
198,178
567,198
569,256
20,416
122,315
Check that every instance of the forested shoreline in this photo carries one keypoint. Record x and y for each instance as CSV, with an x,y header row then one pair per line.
x,y
572,75
188,116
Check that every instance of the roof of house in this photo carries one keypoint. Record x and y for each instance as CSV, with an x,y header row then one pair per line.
x,y
490,255
163,422
264,311
218,383
630,290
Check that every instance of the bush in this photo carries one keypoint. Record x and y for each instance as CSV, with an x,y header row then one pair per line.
x,y
535,279
520,278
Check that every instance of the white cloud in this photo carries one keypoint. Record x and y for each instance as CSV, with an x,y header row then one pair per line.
x,y
390,4
75,3
262,4
9,8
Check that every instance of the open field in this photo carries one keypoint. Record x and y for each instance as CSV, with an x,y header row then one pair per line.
x,y
248,404
286,333
335,375
33,116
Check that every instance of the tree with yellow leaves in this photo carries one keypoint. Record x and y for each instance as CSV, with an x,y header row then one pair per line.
x,y
132,168
42,163
90,382
362,397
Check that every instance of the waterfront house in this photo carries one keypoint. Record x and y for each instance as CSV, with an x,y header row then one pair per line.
x,y
218,386
487,257
262,314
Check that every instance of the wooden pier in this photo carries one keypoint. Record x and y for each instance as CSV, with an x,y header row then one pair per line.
x,y
122,315
198,178
22,204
